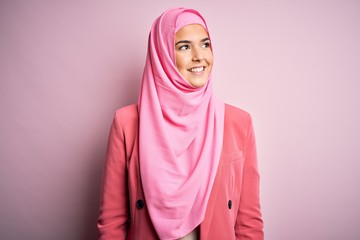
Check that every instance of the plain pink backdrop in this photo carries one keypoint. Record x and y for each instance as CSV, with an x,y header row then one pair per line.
x,y
66,66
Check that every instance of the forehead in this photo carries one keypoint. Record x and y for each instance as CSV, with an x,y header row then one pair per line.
x,y
191,32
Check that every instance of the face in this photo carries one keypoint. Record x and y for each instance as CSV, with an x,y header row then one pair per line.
x,y
193,54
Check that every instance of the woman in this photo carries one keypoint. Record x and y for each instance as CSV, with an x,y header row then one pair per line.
x,y
181,164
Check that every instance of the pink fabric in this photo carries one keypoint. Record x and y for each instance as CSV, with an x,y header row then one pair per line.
x,y
180,134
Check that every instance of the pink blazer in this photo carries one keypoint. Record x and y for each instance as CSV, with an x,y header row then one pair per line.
x,y
233,210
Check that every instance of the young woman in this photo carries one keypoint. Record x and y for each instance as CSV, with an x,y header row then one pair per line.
x,y
180,164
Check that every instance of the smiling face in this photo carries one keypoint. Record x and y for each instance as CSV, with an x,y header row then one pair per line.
x,y
193,54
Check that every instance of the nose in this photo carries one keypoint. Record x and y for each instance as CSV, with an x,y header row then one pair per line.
x,y
197,55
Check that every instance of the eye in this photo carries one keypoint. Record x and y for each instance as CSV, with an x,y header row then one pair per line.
x,y
184,47
206,45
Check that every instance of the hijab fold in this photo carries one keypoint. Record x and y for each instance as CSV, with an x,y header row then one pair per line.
x,y
180,133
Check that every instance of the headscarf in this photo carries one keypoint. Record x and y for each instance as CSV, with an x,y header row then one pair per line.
x,y
180,133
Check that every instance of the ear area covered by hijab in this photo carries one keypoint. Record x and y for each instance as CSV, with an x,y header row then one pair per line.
x,y
180,133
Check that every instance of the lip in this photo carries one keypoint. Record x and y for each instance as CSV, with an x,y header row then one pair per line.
x,y
197,73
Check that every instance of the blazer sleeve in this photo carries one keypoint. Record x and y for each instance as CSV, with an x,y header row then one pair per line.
x,y
249,224
114,213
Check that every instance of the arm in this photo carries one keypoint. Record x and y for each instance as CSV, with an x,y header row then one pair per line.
x,y
114,213
249,224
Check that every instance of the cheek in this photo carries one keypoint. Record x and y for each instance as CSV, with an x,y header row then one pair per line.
x,y
210,58
181,62
178,60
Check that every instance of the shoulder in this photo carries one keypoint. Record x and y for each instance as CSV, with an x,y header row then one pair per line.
x,y
237,117
127,116
238,129
130,111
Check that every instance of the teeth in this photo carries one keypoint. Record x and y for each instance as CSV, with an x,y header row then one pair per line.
x,y
197,69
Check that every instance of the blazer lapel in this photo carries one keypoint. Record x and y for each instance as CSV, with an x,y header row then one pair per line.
x,y
205,225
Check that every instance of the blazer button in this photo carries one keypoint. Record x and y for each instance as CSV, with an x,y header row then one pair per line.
x,y
139,204
230,204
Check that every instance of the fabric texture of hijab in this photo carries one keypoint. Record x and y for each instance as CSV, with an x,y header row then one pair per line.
x,y
180,133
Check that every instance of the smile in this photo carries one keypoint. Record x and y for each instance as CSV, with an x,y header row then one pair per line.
x,y
197,69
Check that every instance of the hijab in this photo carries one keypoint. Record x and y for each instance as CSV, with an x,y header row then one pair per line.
x,y
180,133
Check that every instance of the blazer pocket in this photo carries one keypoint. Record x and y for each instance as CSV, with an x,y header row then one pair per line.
x,y
232,167
232,156
231,181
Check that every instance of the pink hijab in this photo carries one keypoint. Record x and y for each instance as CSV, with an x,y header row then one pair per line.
x,y
180,133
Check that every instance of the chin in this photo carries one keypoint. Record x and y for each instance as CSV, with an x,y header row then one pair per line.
x,y
198,83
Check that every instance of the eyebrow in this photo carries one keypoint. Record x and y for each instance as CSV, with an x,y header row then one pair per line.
x,y
187,41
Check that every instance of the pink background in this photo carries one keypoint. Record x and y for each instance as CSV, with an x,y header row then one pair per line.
x,y
65,66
